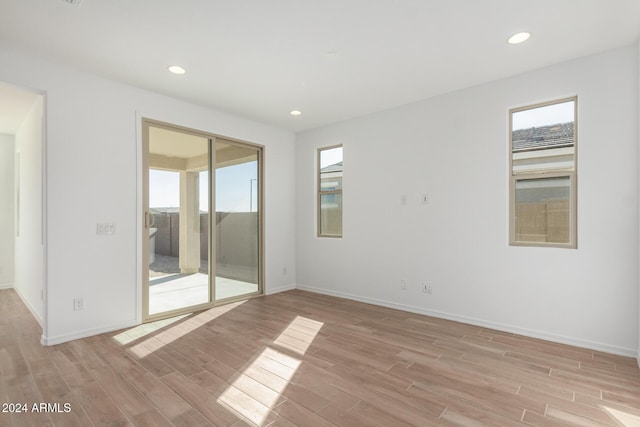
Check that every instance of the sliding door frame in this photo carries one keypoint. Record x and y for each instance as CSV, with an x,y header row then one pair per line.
x,y
146,123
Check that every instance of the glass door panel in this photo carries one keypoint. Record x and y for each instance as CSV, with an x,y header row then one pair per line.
x,y
238,210
176,220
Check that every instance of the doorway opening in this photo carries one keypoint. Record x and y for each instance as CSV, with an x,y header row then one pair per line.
x,y
22,187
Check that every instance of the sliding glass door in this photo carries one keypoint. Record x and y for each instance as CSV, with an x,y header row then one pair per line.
x,y
202,220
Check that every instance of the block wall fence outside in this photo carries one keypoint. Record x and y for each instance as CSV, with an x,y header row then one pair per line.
x,y
236,242
454,148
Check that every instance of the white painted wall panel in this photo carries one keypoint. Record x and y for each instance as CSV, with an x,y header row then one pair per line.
x,y
455,149
29,248
7,210
92,176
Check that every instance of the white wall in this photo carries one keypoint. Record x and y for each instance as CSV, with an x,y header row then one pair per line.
x,y
7,211
92,159
29,252
455,149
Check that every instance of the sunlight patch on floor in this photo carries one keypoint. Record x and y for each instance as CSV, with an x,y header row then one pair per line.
x,y
259,388
133,334
299,335
181,329
252,400
624,418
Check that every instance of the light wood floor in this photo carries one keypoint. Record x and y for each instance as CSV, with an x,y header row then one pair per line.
x,y
298,358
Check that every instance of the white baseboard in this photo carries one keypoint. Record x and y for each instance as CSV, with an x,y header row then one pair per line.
x,y
272,291
561,339
27,304
6,286
59,339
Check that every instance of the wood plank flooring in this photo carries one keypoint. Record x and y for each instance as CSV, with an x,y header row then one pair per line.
x,y
303,359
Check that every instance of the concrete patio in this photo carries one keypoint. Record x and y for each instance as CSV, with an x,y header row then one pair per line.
x,y
171,290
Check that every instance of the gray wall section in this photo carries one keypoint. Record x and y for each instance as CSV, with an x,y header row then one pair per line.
x,y
7,210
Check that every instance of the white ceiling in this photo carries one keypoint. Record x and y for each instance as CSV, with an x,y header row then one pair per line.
x,y
331,59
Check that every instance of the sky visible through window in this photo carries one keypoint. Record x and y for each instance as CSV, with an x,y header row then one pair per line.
x,y
543,116
236,188
330,157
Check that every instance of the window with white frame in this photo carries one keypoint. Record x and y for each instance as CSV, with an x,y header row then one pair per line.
x,y
543,164
330,191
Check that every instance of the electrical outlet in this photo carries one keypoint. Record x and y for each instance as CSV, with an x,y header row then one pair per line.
x,y
403,285
78,304
426,288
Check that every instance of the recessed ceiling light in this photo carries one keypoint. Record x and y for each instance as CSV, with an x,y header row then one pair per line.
x,y
176,69
519,38
295,113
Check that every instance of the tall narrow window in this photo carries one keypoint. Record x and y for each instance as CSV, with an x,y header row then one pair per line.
x,y
543,146
330,191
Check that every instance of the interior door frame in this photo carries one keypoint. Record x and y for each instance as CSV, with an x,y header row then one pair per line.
x,y
143,233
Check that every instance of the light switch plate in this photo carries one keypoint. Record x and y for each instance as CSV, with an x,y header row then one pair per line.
x,y
106,228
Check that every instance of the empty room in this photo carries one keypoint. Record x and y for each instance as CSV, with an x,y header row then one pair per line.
x,y
336,213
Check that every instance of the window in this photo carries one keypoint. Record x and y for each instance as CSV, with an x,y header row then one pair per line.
x,y
543,174
330,191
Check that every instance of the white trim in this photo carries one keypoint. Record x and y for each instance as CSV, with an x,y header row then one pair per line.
x,y
33,311
272,291
44,293
86,333
638,320
139,216
532,333
6,286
